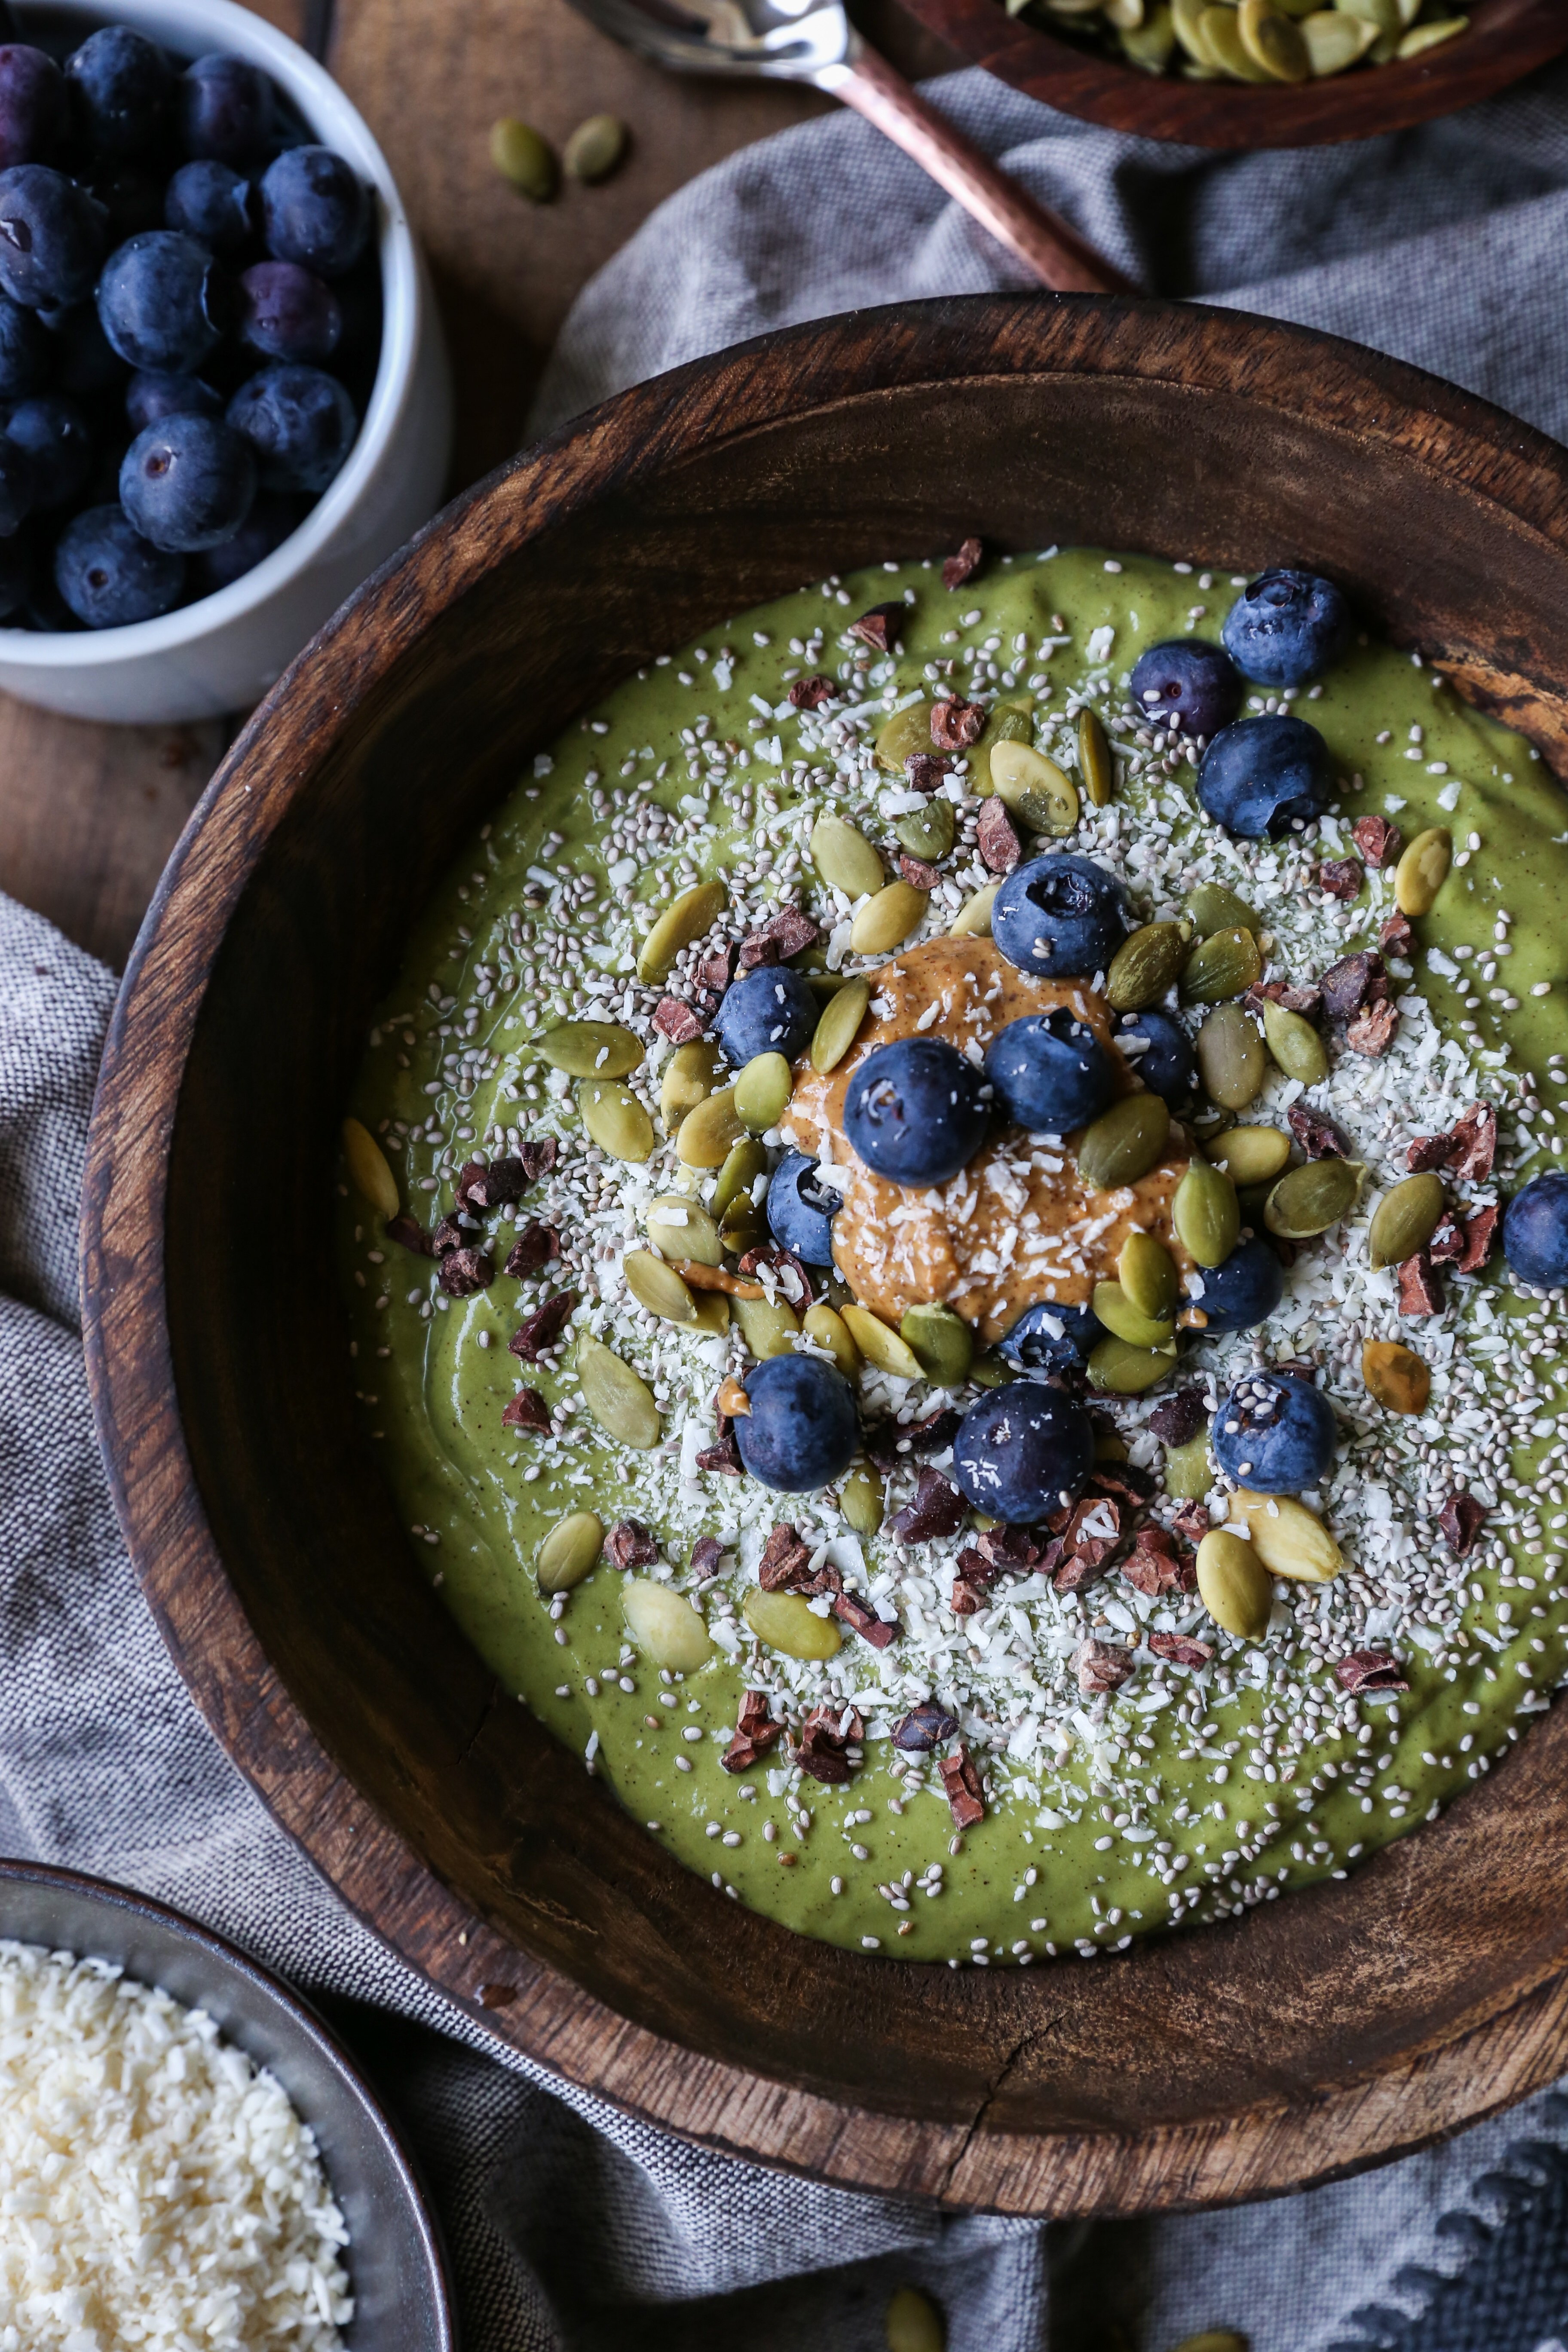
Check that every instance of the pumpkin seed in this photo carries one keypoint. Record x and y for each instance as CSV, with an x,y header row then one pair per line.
x,y
707,1134
841,1017
1009,722
914,2323
1120,1370
1295,1045
684,918
1310,1199
1251,1155
1234,1585
828,1328
741,1167
1189,1472
860,1500
1291,1539
844,858
991,1371
522,156
594,148
907,732
1231,1056
881,1346
569,1551
887,920
1213,2339
1273,42
1395,1376
1206,1214
690,1076
1147,1273
1422,870
762,1091
1335,41
768,1327
1421,37
1124,1142
1184,15
667,1628
658,1287
927,831
1096,763
1151,46
785,1621
620,1400
370,1171
1144,967
973,921
712,1313
591,1049
1406,1219
1219,29
942,1342
1116,1311
1384,16
1033,788
615,1118
744,1225
1212,907
683,1228
1224,965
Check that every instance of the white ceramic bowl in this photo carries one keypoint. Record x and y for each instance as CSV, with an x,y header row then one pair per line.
x,y
223,653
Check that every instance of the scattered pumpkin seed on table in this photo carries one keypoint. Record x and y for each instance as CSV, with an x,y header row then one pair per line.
x,y
524,158
595,147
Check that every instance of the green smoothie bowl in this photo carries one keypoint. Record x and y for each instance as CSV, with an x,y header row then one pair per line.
x,y
821,1254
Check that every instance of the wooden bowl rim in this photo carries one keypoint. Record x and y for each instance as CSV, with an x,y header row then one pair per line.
x,y
1507,40
1486,2061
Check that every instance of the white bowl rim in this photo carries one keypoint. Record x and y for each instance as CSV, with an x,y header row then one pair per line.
x,y
196,27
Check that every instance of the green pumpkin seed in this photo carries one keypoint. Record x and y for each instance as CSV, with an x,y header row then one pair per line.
x,y
973,921
1422,870
1289,1539
1009,722
666,1627
912,2323
787,1621
991,1371
712,1313
1335,41
1310,1199
841,1018
844,858
615,1118
1124,1142
744,1226
904,736
707,1134
1147,1273
1273,42
1421,38
1033,788
690,1076
1295,1045
569,1551
1231,1056
881,1346
370,1171
1251,1155
927,833
1122,1369
1116,1311
683,1228
1211,908
1189,1474
591,1049
1384,16
687,918
1150,46
1219,29
826,1327
1096,763
861,1499
658,1287
1206,1215
620,1400
1184,15
1406,1219
1225,965
741,1167
769,1327
522,156
942,1340
762,1091
1144,967
887,920
594,148
1234,1585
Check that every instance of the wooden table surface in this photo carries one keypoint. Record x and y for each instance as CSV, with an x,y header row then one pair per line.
x,y
89,814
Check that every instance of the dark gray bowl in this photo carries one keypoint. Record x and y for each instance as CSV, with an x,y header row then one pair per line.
x,y
401,2299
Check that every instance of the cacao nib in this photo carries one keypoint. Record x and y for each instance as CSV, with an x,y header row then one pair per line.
x,y
925,771
1191,1522
996,836
706,1554
1369,1670
755,1732
964,1788
1122,1481
956,569
782,1566
955,724
967,1598
535,1247
543,1327
716,970
1461,1519
1395,936
1427,1153
490,1188
1475,1144
793,1281
464,1271
936,1510
823,1744
1156,1564
1014,1550
1100,1666
936,1432
788,933
1480,1231
410,1235
1379,841
1420,1285
879,1631
526,1410
1354,980
924,1728
674,1019
630,1545
538,1159
1342,878
447,1236
723,1456
1285,994
1178,1421
1181,1649
811,693
1079,1568
1371,1031
880,627
917,873
1318,1137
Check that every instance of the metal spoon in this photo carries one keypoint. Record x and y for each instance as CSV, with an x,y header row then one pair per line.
x,y
812,41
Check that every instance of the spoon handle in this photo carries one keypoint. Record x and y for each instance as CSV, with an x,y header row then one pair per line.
x,y
1043,241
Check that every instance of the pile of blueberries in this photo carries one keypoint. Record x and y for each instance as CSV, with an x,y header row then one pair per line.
x,y
190,315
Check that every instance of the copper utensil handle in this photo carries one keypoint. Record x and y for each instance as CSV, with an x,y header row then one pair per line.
x,y
1044,242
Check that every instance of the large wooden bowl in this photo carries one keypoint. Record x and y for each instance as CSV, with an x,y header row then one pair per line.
x,y
1506,40
1320,2033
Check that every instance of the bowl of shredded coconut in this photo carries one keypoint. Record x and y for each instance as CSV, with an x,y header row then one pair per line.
x,y
186,2155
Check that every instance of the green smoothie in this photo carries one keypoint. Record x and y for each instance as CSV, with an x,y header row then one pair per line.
x,y
1188,1792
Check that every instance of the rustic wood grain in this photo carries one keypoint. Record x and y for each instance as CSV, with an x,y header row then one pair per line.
x,y
1507,40
1317,2035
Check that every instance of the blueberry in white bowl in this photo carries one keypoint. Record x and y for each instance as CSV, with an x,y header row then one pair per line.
x,y
917,1111
1275,1433
1060,917
801,1432
1287,627
1264,775
187,483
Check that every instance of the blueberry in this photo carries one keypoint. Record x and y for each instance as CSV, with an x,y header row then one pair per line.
x,y
285,313
226,108
801,1210
86,363
301,424
315,210
1165,1062
161,299
187,483
52,236
1048,1339
156,393
16,575
1274,1433
54,433
208,201
32,105
1022,1452
801,1431
772,1011
120,88
1287,627
1050,1073
17,487
1245,1290
24,351
110,577
271,520
1535,1231
916,1111
1188,681
1261,774
1058,916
